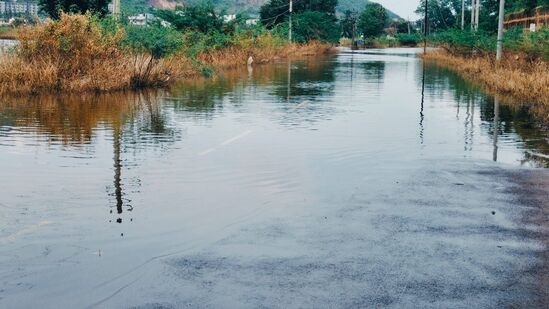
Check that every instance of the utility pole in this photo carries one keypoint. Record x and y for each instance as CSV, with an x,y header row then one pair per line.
x,y
499,53
116,8
426,26
473,10
477,15
290,28
462,14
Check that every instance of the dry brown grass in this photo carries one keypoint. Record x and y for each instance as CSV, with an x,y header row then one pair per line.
x,y
71,55
238,56
74,55
515,79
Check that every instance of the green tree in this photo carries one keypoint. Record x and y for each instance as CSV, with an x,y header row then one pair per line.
x,y
349,24
54,7
315,26
443,14
201,17
275,12
372,20
155,42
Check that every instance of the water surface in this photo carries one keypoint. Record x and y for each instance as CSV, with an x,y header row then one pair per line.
x,y
360,179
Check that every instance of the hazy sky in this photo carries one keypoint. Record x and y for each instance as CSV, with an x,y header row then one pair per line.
x,y
404,8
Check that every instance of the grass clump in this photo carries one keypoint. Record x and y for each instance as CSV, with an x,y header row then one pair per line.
x,y
523,80
77,53
82,53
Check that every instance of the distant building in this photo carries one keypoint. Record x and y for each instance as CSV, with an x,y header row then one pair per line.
x,y
144,19
229,18
252,21
13,8
138,20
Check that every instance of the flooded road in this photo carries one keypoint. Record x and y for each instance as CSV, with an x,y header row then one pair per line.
x,y
352,181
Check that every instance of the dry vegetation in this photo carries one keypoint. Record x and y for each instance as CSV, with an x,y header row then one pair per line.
x,y
516,77
76,55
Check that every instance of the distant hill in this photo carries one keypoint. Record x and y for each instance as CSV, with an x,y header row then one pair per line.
x,y
358,5
252,6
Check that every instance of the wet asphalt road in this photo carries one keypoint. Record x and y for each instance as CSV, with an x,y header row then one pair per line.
x,y
456,235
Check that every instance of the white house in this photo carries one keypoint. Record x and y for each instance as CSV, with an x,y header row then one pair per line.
x,y
19,8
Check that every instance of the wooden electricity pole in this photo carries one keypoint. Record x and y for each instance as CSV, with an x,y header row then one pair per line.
x,y
499,53
290,26
475,12
462,14
116,9
477,15
426,26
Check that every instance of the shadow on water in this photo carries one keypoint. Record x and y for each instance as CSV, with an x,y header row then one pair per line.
x,y
497,119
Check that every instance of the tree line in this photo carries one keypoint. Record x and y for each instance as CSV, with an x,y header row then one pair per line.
x,y
446,14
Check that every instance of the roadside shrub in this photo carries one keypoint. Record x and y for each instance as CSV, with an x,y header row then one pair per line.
x,y
155,40
408,39
533,44
148,45
464,42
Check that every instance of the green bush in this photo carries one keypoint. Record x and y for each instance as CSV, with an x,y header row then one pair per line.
x,y
311,26
155,40
405,39
465,42
533,44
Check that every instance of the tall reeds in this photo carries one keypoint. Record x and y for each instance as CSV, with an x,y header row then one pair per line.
x,y
79,54
516,78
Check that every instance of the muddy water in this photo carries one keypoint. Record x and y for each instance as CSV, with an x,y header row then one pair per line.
x,y
358,180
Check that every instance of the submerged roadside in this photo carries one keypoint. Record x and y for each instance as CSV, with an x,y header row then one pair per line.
x,y
525,82
521,78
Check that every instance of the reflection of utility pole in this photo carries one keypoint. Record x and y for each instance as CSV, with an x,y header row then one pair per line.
x,y
354,20
289,79
500,29
117,170
421,115
290,26
496,128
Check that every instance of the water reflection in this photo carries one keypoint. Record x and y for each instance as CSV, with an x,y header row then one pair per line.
x,y
496,129
501,121
422,106
352,97
136,121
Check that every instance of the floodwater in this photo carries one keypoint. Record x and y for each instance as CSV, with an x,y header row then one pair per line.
x,y
351,181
